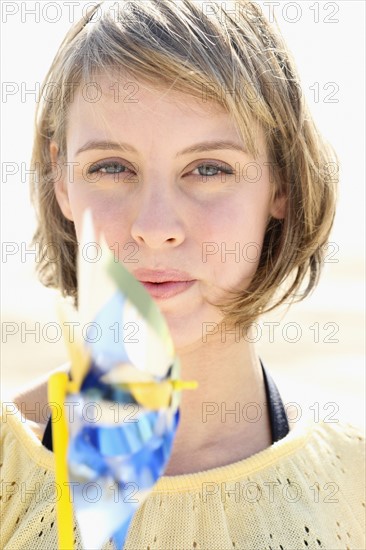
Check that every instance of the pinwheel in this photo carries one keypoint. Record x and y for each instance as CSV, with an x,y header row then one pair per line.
x,y
115,420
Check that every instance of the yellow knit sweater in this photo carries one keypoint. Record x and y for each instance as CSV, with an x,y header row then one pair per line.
x,y
304,491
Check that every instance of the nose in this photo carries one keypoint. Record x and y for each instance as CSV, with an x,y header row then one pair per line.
x,y
156,221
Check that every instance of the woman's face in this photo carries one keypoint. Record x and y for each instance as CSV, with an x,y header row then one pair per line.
x,y
160,200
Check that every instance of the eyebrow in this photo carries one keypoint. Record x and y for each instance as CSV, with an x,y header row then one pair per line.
x,y
197,148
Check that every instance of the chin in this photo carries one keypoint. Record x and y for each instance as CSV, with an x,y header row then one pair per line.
x,y
187,329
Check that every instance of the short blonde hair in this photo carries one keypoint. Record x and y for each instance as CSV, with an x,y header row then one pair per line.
x,y
186,47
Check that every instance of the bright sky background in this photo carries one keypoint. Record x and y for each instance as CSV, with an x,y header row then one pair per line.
x,y
325,52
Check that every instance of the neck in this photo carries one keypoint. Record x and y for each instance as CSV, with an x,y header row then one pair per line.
x,y
214,427
217,425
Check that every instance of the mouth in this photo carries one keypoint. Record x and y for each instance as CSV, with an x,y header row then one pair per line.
x,y
167,289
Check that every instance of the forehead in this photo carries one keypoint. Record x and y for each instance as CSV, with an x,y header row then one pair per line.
x,y
113,107
127,96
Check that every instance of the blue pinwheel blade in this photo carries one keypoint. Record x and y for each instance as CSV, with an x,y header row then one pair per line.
x,y
104,461
120,438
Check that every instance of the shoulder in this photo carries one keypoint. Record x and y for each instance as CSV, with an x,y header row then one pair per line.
x,y
26,466
327,452
339,451
31,401
343,434
21,449
339,438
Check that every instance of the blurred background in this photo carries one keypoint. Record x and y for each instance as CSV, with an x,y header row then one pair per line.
x,y
316,352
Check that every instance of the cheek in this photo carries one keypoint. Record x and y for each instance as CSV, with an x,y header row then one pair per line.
x,y
106,215
232,242
241,222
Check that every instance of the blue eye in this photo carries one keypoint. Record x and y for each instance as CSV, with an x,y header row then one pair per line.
x,y
216,168
210,170
108,168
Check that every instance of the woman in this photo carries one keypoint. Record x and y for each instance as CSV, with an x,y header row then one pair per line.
x,y
186,133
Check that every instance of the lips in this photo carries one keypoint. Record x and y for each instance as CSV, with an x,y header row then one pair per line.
x,y
161,275
164,283
167,289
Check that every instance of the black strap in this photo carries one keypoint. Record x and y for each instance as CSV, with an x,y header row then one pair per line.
x,y
277,414
47,436
279,423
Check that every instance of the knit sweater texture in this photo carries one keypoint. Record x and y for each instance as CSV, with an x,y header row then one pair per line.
x,y
305,491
